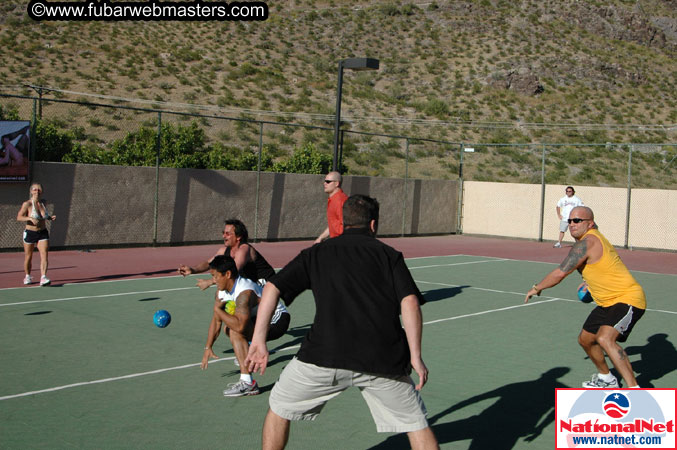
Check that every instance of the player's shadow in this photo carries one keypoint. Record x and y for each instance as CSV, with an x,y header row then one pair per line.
x,y
51,269
522,410
122,275
443,294
298,332
658,358
277,355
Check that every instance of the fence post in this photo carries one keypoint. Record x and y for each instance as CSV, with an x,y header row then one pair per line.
x,y
404,193
258,184
459,215
157,176
540,223
627,207
33,141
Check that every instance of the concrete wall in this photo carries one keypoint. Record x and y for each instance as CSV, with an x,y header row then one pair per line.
x,y
114,205
514,210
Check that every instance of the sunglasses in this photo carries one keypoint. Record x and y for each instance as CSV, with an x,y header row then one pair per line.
x,y
576,220
329,181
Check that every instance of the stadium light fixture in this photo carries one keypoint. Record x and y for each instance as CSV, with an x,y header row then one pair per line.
x,y
352,64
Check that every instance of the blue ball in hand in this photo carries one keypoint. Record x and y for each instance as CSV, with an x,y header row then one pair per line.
x,y
584,294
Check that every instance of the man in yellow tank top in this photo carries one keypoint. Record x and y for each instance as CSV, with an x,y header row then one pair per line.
x,y
620,299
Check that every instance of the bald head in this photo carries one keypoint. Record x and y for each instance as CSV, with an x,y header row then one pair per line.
x,y
332,183
334,176
583,212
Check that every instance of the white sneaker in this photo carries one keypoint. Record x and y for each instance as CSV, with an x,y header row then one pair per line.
x,y
597,382
44,281
241,388
557,245
28,279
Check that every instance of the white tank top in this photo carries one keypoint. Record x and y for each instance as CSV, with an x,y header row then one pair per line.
x,y
245,284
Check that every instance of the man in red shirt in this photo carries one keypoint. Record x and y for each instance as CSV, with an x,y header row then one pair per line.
x,y
332,187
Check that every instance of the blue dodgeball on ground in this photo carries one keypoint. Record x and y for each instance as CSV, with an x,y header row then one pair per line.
x,y
162,318
584,294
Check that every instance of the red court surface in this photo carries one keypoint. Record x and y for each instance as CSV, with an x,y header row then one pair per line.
x,y
72,266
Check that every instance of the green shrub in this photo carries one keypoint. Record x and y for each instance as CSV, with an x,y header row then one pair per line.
x,y
306,159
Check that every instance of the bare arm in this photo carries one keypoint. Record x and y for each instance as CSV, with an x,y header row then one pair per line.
x,y
257,359
323,236
200,268
23,216
413,327
212,334
239,320
576,258
242,256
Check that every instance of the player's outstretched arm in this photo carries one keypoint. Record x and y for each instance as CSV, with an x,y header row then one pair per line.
x,y
577,257
187,270
413,327
257,358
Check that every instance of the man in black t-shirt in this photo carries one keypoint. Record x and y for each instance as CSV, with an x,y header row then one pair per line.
x,y
361,286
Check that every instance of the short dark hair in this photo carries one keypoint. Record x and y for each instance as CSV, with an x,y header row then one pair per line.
x,y
222,264
359,210
572,189
240,229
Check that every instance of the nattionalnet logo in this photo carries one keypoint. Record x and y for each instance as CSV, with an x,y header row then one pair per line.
x,y
615,418
616,405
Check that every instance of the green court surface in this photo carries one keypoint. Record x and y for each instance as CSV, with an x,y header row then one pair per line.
x,y
83,365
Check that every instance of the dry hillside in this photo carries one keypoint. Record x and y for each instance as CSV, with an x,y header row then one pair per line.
x,y
483,71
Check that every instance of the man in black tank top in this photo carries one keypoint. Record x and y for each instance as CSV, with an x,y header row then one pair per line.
x,y
250,263
256,269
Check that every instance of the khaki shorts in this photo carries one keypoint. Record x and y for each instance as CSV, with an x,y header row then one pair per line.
x,y
303,389
563,226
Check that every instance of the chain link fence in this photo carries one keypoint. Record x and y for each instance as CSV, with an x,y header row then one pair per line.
x,y
259,144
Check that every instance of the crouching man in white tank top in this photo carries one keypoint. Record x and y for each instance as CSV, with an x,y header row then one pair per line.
x,y
235,306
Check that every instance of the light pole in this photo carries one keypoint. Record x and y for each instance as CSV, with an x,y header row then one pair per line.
x,y
353,64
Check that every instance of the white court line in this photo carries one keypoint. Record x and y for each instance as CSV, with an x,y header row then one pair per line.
x,y
556,264
125,377
84,283
459,264
160,290
95,296
473,287
524,294
492,311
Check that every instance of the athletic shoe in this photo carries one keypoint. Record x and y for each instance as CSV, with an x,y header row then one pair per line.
x,y
44,281
28,279
241,388
236,362
597,382
557,245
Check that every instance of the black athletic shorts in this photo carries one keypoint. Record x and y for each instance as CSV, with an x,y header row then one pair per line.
x,y
621,316
279,328
32,237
